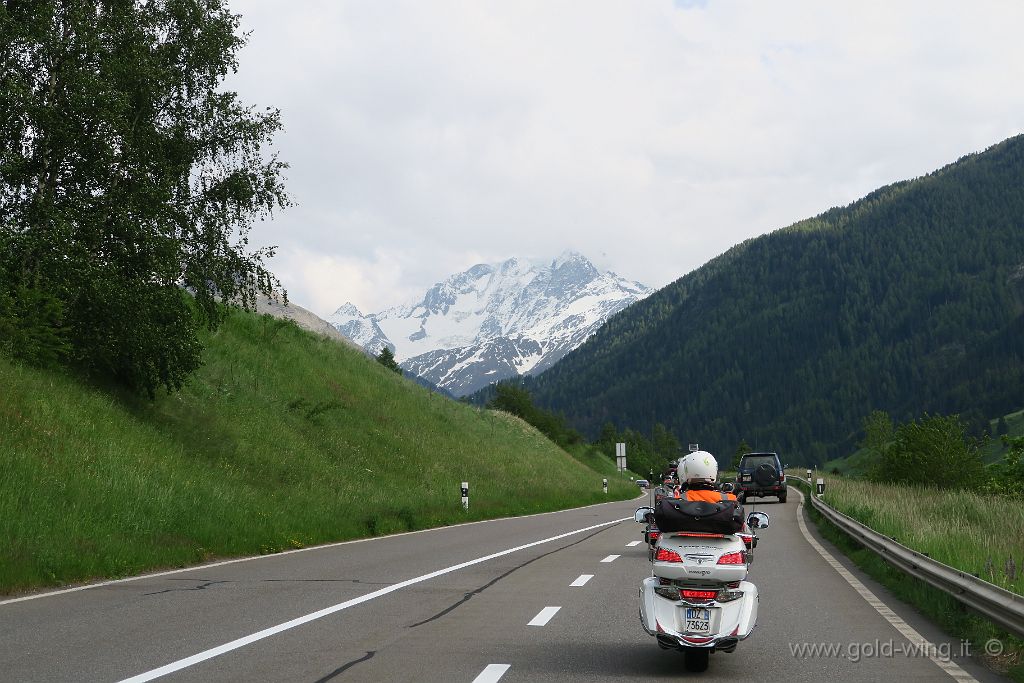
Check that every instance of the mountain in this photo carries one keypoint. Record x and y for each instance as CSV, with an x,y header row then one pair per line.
x,y
494,321
908,300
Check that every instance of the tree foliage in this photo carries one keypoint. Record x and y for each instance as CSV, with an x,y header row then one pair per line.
x,y
932,451
737,456
1007,476
514,399
127,175
387,358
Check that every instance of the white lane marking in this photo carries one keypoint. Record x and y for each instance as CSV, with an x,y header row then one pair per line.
x,y
611,558
492,673
920,643
581,580
633,543
202,567
544,616
267,632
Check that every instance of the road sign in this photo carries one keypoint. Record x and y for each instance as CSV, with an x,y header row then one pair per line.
x,y
620,457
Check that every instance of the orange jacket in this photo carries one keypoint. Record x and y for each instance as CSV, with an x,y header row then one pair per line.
x,y
707,495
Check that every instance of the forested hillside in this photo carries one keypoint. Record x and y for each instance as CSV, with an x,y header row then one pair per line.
x,y
908,300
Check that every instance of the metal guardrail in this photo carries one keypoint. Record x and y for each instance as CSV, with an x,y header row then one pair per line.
x,y
1001,606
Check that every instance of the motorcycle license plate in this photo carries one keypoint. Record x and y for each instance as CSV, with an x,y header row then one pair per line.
x,y
698,620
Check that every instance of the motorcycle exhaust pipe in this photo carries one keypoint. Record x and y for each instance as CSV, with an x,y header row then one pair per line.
x,y
727,644
667,642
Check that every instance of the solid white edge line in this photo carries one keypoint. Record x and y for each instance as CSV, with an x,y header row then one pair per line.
x,y
611,558
544,616
200,567
492,673
581,580
921,643
267,632
633,543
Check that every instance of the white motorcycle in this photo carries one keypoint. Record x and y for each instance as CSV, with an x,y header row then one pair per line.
x,y
698,599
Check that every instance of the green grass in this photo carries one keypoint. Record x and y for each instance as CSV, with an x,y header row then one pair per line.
x,y
876,505
282,440
972,532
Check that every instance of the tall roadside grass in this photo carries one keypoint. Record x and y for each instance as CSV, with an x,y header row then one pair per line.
x,y
975,533
976,529
282,440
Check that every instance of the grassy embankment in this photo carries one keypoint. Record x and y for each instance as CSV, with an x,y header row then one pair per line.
x,y
282,440
969,531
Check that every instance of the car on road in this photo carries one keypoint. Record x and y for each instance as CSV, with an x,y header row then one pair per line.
x,y
761,474
643,483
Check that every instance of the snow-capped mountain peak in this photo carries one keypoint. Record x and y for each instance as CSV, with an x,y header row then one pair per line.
x,y
494,321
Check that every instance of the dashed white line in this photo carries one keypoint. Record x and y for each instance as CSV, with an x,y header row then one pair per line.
x,y
492,673
581,580
633,543
923,644
611,558
544,616
313,616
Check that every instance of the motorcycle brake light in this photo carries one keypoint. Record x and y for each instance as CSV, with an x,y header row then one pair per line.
x,y
693,594
699,534
732,558
667,556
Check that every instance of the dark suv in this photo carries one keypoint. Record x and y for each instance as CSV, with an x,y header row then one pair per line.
x,y
760,474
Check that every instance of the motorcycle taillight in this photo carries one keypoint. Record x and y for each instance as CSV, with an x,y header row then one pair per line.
x,y
738,557
727,595
667,556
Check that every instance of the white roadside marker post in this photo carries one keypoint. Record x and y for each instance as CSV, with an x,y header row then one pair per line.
x,y
465,496
821,487
604,483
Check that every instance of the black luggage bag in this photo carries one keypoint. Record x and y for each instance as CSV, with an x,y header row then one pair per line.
x,y
673,514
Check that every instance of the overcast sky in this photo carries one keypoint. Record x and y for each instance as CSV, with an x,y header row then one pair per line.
x,y
426,136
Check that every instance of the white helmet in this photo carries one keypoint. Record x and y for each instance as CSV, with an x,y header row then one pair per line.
x,y
699,466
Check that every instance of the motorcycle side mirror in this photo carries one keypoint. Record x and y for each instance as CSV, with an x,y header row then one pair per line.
x,y
757,520
640,516
727,487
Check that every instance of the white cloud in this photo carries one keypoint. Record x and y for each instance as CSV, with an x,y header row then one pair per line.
x,y
425,137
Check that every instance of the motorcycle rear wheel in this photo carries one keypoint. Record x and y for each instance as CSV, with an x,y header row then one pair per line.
x,y
696,658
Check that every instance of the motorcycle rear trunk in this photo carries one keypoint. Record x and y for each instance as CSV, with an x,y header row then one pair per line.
x,y
692,601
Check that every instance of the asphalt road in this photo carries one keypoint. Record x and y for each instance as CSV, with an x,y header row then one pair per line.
x,y
373,611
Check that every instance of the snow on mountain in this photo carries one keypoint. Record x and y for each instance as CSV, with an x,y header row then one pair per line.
x,y
494,321
360,329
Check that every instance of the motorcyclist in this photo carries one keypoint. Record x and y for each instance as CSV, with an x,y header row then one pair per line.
x,y
699,473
